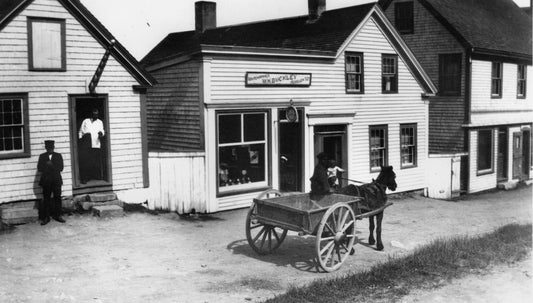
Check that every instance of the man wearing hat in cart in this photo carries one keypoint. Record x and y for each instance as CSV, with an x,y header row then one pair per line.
x,y
319,180
50,166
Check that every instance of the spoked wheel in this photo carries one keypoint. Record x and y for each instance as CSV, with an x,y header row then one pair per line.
x,y
263,238
335,236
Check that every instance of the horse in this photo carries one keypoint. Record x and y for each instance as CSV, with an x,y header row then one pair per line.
x,y
374,197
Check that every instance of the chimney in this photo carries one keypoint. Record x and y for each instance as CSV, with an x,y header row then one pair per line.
x,y
316,8
206,15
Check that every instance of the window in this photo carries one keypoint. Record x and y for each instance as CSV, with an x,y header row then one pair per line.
x,y
14,138
484,151
450,74
378,147
242,151
404,17
521,85
46,44
354,72
408,145
496,90
389,73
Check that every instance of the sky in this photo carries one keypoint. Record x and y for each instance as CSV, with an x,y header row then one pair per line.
x,y
141,24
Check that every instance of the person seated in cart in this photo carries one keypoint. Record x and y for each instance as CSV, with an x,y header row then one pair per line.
x,y
319,180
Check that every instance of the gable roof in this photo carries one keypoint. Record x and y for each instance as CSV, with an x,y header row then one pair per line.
x,y
296,34
11,8
491,27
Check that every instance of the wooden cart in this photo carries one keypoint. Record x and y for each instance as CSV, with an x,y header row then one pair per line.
x,y
330,218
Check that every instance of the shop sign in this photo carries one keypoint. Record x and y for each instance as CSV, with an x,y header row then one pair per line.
x,y
278,79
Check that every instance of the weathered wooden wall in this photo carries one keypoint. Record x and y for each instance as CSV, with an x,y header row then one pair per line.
x,y
48,103
177,182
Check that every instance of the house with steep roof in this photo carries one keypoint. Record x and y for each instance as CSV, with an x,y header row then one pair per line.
x,y
478,53
244,108
57,64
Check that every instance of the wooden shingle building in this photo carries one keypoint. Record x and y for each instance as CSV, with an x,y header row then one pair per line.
x,y
243,108
57,64
478,53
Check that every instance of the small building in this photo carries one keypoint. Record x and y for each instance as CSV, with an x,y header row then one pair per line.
x,y
57,64
244,108
478,53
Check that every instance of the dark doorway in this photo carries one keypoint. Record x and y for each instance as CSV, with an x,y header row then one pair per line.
x,y
503,158
518,149
526,154
331,139
290,153
91,164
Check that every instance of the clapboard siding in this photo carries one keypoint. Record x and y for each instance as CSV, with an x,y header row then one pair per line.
x,y
327,94
446,114
505,110
48,97
174,108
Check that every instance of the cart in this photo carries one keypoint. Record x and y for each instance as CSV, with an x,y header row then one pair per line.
x,y
330,218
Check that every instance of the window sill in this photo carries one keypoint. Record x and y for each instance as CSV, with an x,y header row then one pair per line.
x,y
389,93
355,92
485,172
242,191
15,156
408,166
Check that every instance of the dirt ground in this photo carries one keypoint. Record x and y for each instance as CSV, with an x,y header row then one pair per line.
x,y
143,257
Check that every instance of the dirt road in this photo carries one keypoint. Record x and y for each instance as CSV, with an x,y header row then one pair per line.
x,y
165,258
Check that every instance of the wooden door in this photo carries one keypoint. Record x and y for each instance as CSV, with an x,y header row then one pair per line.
x,y
517,155
502,160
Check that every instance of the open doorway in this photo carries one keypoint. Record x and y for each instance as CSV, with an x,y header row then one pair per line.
x,y
331,139
90,151
290,153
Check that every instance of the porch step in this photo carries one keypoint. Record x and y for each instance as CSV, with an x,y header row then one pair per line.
x,y
108,211
102,197
88,205
508,185
24,212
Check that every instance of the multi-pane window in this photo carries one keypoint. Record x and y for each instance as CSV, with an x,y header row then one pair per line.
x,y
46,44
242,150
354,72
378,147
389,73
408,145
404,21
521,82
496,87
450,74
13,126
484,151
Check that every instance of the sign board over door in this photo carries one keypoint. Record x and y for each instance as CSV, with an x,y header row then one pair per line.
x,y
278,79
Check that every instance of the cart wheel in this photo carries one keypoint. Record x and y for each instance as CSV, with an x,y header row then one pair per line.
x,y
263,238
269,193
335,236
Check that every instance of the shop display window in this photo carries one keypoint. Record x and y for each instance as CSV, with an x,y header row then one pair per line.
x,y
242,150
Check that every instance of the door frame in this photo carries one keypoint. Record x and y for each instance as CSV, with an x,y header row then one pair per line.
x,y
76,184
318,139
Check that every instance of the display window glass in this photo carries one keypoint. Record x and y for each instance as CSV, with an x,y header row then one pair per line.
x,y
242,151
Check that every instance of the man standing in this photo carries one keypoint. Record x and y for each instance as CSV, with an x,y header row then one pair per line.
x,y
50,165
319,180
92,132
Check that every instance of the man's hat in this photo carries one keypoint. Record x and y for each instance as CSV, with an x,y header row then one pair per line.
x,y
322,156
49,143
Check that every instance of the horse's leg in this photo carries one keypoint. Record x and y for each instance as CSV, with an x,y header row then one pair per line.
x,y
371,239
379,219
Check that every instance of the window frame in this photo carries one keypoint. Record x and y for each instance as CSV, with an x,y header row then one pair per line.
x,y
496,79
385,147
521,81
414,126
408,22
361,73
26,149
394,83
62,23
490,170
445,59
254,186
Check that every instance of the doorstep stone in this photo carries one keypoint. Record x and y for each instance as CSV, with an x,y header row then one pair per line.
x,y
89,205
508,185
101,197
108,211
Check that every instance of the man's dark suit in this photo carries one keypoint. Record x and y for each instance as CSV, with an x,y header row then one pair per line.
x,y
51,182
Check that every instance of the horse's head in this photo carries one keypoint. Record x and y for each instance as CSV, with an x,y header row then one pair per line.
x,y
387,177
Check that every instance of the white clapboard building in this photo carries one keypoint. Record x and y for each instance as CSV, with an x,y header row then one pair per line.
x,y
244,108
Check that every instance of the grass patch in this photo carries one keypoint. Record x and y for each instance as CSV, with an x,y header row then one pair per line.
x,y
427,267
